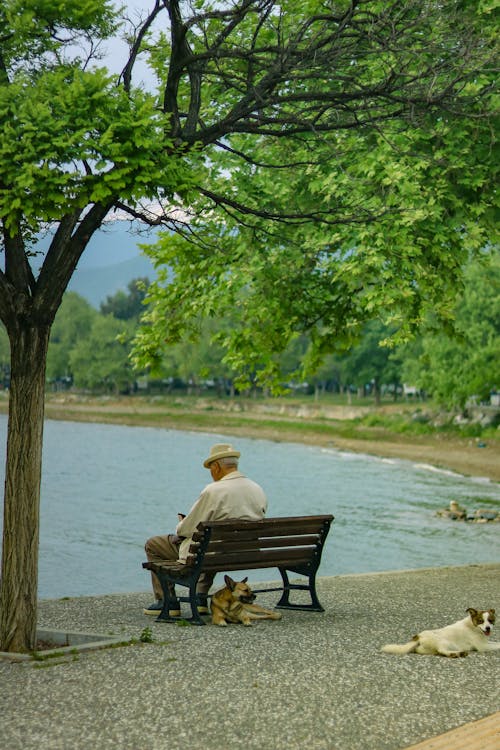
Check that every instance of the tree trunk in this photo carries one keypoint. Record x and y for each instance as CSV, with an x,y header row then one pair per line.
x,y
19,585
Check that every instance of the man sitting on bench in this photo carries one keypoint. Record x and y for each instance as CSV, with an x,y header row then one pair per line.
x,y
231,495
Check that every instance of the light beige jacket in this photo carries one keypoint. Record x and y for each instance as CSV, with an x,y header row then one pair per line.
x,y
233,496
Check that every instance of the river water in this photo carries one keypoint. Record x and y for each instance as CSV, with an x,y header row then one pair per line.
x,y
107,488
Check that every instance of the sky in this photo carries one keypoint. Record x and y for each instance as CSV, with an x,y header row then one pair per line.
x,y
117,52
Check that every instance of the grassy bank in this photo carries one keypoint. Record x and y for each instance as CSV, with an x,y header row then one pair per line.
x,y
415,432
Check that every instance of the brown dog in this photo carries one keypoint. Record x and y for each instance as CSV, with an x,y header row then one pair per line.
x,y
234,603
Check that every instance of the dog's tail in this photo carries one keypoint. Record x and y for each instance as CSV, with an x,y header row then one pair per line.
x,y
401,648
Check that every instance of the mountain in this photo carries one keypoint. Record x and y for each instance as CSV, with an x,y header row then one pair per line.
x,y
97,283
110,262
114,243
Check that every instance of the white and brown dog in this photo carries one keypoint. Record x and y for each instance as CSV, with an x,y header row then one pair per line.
x,y
459,639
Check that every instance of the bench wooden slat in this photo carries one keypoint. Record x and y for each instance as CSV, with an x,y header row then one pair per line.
x,y
223,561
279,521
257,543
168,567
285,563
268,526
252,535
271,557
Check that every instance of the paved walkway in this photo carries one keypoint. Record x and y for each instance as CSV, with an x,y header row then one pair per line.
x,y
315,681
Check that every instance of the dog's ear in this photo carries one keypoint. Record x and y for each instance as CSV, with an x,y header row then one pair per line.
x,y
245,579
471,611
229,582
492,614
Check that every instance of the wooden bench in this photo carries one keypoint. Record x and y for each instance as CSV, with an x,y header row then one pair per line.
x,y
293,545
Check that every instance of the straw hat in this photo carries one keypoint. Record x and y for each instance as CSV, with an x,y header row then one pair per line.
x,y
220,450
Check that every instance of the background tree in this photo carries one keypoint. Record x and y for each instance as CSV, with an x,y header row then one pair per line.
x,y
127,305
368,365
91,349
201,360
453,367
233,80
72,324
329,376
101,361
456,368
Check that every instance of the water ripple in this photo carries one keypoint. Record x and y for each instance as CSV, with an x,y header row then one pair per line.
x,y
107,488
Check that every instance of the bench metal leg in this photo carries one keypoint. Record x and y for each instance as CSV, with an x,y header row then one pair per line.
x,y
164,616
195,618
284,602
167,601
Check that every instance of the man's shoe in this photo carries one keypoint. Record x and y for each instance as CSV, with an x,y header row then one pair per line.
x,y
157,606
202,604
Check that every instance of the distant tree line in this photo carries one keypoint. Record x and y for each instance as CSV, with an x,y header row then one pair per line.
x,y
90,350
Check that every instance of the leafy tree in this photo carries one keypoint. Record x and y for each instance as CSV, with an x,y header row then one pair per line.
x,y
399,203
412,207
196,361
72,324
369,363
79,340
203,358
234,79
100,361
455,368
127,305
328,376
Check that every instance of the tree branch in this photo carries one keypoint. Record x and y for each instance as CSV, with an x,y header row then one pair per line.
x,y
63,255
360,216
140,33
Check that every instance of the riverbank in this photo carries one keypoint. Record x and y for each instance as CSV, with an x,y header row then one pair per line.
x,y
287,421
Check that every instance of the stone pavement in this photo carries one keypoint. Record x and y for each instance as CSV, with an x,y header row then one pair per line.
x,y
315,681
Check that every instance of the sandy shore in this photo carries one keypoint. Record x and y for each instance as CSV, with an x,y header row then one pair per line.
x,y
298,424
466,456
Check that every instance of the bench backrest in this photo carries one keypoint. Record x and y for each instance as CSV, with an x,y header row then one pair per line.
x,y
291,542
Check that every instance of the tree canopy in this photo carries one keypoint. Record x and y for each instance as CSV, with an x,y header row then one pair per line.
x,y
400,206
460,368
